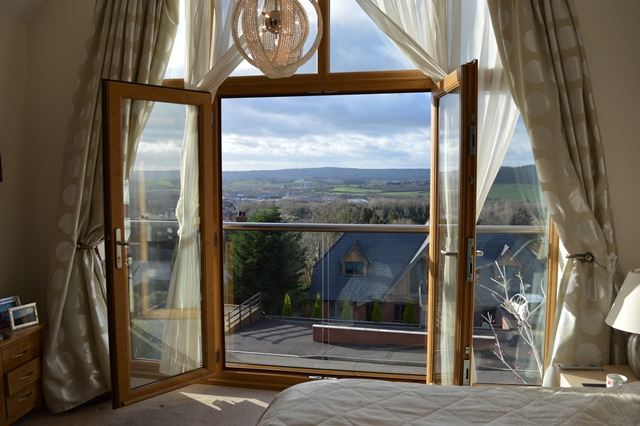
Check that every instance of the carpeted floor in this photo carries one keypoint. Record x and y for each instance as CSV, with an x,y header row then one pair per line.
x,y
193,405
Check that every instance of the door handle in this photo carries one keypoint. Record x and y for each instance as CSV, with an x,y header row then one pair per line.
x,y
448,253
119,244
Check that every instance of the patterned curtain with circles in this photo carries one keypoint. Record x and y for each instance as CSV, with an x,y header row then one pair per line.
x,y
131,41
541,48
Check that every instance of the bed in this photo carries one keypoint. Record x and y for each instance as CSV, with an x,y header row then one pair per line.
x,y
373,402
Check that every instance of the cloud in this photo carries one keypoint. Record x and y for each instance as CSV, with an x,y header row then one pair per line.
x,y
380,131
403,150
520,152
365,114
357,44
158,155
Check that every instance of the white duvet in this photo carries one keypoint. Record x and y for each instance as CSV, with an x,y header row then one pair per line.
x,y
373,402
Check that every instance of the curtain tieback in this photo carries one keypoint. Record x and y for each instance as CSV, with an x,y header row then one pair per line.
x,y
582,257
591,287
81,246
610,267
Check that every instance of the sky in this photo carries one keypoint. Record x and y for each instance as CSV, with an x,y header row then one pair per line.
x,y
364,131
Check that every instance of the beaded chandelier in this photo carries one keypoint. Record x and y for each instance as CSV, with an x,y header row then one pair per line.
x,y
271,34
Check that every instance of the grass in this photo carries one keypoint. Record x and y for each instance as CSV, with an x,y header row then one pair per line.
x,y
515,192
354,190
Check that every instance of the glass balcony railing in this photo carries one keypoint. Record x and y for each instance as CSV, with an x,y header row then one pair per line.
x,y
350,297
332,297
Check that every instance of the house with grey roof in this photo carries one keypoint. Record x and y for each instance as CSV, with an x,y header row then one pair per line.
x,y
362,269
519,256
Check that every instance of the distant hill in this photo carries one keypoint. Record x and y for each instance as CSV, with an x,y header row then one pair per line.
x,y
338,173
506,175
522,175
170,175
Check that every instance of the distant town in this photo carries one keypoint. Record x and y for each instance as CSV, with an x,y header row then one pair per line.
x,y
341,195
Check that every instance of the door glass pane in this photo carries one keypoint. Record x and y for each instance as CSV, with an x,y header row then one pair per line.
x,y
162,253
296,299
448,228
511,273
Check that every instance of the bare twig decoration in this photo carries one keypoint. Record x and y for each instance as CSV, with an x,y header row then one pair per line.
x,y
517,306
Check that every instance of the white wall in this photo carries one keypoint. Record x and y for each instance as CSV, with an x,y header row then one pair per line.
x,y
40,53
611,33
14,244
57,36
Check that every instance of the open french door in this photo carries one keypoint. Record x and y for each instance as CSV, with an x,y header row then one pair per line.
x,y
158,152
452,227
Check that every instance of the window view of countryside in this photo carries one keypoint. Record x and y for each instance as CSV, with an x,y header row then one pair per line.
x,y
348,298
352,301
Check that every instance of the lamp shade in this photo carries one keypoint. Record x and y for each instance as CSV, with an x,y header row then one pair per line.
x,y
625,312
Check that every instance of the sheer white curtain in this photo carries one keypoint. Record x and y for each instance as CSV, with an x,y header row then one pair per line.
x,y
210,58
438,36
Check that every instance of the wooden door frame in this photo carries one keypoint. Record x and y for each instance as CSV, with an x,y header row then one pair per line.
x,y
114,92
466,80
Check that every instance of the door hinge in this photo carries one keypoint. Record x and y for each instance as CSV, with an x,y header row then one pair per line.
x,y
471,255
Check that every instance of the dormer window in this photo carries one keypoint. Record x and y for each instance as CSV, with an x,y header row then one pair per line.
x,y
354,263
353,268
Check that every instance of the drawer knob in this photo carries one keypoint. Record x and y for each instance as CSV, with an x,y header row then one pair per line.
x,y
26,376
20,355
24,397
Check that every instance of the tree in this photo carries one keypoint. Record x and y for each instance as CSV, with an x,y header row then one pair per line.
x,y
317,307
376,312
270,262
521,217
346,310
409,314
287,310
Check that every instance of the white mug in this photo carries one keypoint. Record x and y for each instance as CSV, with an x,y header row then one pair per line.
x,y
616,380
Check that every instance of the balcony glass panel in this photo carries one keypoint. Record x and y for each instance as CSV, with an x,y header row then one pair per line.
x,y
511,280
290,304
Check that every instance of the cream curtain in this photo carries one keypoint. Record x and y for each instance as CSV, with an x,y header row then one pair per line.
x,y
211,57
132,40
540,45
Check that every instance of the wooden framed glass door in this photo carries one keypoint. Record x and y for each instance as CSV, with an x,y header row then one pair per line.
x,y
160,238
452,227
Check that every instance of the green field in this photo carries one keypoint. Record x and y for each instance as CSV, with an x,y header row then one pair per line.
x,y
354,190
515,192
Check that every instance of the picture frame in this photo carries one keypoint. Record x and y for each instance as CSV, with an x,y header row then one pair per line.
x,y
7,303
23,316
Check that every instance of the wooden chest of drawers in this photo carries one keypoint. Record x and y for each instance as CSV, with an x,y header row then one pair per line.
x,y
20,372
